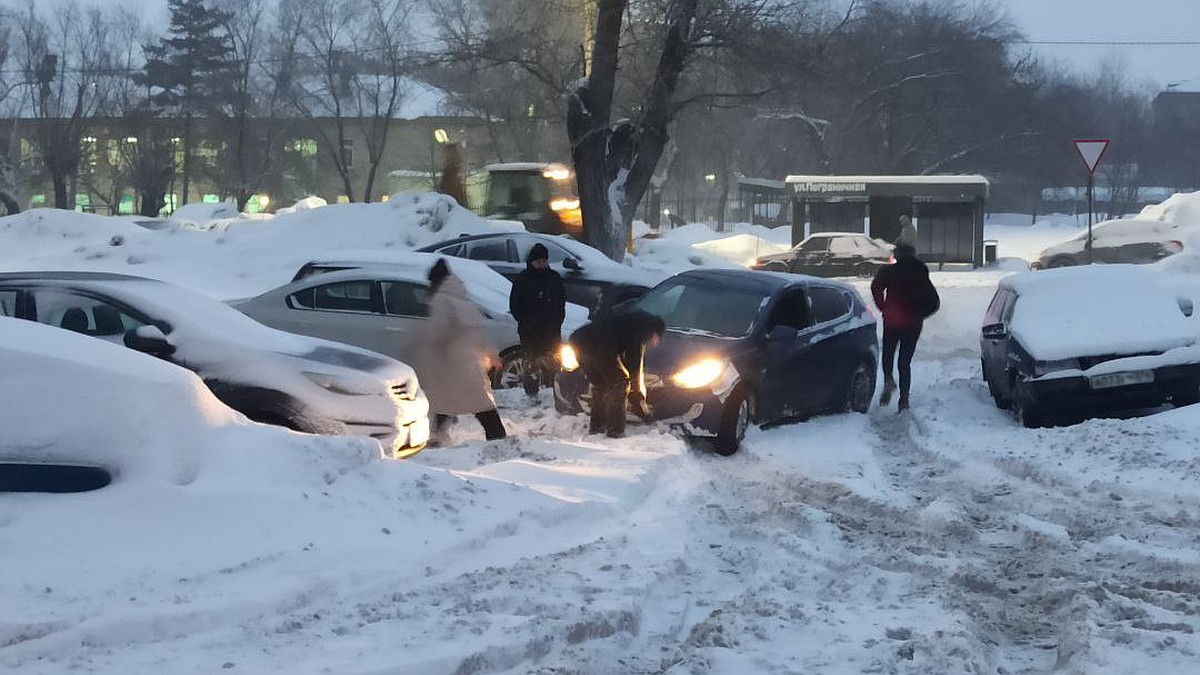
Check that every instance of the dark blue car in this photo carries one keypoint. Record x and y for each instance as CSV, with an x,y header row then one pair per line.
x,y
748,347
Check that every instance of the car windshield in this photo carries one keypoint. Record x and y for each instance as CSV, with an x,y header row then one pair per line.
x,y
704,306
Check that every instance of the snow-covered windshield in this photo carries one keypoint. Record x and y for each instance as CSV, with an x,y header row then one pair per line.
x,y
706,306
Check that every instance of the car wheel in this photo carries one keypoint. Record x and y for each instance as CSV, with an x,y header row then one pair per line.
x,y
510,372
735,419
1028,413
865,270
1062,261
862,389
1001,402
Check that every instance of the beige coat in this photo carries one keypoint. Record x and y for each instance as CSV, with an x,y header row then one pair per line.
x,y
453,354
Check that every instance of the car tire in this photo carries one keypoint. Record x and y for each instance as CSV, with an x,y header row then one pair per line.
x,y
736,417
865,270
861,388
1062,261
511,370
1028,413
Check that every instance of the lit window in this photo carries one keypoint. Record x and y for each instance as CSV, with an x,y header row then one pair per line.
x,y
343,199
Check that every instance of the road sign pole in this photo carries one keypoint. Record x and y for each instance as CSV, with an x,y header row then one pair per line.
x,y
1091,151
1091,183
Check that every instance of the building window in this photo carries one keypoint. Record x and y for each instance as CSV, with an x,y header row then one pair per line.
x,y
305,147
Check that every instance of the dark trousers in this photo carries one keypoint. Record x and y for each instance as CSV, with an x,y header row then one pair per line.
x,y
539,364
493,428
906,339
610,389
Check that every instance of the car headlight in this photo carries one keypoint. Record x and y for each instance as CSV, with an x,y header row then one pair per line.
x,y
699,374
343,385
566,356
1043,367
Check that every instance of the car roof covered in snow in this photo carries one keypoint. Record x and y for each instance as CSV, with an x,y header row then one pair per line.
x,y
1093,310
768,282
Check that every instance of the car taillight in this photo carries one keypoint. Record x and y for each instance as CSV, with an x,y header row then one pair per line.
x,y
1174,246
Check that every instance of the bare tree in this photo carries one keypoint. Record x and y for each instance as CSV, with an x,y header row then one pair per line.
x,y
10,107
67,62
353,58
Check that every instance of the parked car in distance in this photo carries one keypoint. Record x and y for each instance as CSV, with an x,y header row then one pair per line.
x,y
1070,343
303,383
1128,240
590,279
830,254
746,347
383,306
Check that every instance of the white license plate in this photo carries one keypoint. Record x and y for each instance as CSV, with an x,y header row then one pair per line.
x,y
1121,379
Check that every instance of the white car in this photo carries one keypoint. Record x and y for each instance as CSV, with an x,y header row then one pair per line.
x,y
271,376
1130,240
381,304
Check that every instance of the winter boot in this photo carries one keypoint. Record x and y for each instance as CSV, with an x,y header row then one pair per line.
x,y
902,404
889,387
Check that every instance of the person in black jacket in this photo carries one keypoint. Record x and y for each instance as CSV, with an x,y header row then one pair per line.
x,y
538,303
906,297
610,352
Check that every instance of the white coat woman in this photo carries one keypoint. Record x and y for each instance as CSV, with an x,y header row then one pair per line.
x,y
455,357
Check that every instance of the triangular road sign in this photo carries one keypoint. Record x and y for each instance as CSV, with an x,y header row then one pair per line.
x,y
1091,151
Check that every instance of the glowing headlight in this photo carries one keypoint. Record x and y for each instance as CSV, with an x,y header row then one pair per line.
x,y
567,358
563,204
699,374
341,385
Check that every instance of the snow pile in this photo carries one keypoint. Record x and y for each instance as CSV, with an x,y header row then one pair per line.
x,y
205,216
234,263
307,204
698,245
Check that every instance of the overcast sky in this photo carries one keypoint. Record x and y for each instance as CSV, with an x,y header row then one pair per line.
x,y
1117,21
1081,21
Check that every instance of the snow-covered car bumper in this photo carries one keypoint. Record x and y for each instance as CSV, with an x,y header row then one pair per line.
x,y
697,411
1115,388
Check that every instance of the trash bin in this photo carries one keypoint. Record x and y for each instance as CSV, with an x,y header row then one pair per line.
x,y
989,251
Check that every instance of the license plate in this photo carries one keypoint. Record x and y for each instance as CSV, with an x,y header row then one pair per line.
x,y
1121,379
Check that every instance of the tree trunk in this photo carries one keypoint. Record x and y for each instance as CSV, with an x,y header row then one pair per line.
x,y
615,163
153,201
187,158
60,191
10,204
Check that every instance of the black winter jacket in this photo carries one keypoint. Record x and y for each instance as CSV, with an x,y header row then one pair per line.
x,y
904,293
538,303
616,342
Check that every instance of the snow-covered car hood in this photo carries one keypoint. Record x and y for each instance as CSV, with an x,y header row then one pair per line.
x,y
1096,310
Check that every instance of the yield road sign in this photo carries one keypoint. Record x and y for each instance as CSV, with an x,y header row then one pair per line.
x,y
1091,151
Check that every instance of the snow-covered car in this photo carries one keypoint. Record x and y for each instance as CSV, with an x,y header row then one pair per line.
x,y
1131,240
590,279
743,347
271,376
1068,343
830,254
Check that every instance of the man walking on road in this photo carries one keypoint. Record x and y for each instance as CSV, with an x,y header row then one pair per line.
x,y
538,303
906,297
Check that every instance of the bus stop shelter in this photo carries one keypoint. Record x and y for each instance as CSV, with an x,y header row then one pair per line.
x,y
946,210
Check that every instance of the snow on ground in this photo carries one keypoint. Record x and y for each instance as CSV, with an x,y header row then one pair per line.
x,y
946,540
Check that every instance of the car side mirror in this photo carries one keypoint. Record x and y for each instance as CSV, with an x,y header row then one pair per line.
x,y
571,264
994,331
1185,306
149,340
782,334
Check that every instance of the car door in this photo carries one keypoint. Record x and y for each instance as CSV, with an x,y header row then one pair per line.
x,y
498,253
993,343
86,313
346,311
843,257
811,256
406,306
834,346
793,373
